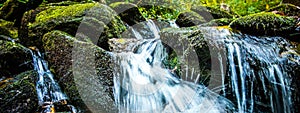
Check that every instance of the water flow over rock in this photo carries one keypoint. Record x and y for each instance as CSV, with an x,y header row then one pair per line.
x,y
143,84
49,93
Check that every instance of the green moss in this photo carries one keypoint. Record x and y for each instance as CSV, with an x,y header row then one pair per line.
x,y
219,22
189,18
20,95
6,28
63,12
264,24
158,12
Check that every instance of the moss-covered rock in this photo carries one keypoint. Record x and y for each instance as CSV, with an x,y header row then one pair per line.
x,y
128,12
189,18
269,24
78,19
14,59
83,71
19,94
210,13
287,9
7,29
219,22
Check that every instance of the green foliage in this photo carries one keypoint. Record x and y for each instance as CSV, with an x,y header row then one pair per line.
x,y
158,12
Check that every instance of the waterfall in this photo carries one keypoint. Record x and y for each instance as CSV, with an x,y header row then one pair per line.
x,y
143,84
48,91
258,73
256,76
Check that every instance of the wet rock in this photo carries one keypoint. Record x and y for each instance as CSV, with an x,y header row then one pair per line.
x,y
7,29
287,9
83,70
210,13
189,18
128,12
269,24
123,44
14,59
187,47
78,19
19,94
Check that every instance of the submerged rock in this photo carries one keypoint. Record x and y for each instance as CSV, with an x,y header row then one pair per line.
x,y
189,18
15,59
128,12
269,24
19,94
83,70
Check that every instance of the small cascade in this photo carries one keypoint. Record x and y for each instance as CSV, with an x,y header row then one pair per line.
x,y
258,73
143,84
50,96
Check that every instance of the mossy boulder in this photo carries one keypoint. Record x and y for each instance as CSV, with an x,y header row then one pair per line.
x,y
14,59
128,12
74,19
287,9
210,13
7,29
83,70
158,12
189,18
19,94
268,24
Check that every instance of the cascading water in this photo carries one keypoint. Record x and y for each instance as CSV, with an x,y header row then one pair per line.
x,y
259,74
48,90
143,84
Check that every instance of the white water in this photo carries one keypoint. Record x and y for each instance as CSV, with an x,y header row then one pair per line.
x,y
257,60
47,88
142,84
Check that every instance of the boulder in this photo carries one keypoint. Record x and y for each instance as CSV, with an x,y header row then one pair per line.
x,y
89,20
189,18
187,47
268,24
210,13
128,12
19,94
83,70
14,59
